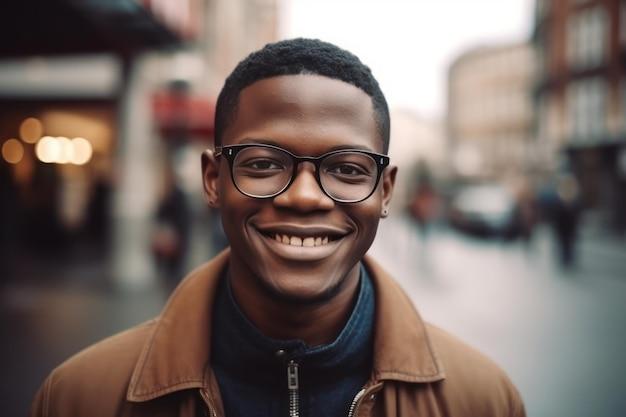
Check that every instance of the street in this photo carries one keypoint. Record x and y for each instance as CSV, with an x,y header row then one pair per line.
x,y
559,335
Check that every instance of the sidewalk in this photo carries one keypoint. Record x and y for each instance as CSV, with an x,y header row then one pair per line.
x,y
601,244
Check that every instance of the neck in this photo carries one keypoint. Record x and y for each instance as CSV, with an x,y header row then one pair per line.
x,y
315,323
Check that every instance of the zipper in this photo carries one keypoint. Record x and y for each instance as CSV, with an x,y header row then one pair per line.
x,y
356,399
293,386
207,401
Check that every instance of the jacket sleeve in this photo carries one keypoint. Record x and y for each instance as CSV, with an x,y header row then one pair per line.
x,y
41,402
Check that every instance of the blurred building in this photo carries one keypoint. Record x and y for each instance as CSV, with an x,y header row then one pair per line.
x,y
417,146
104,105
581,98
235,29
489,121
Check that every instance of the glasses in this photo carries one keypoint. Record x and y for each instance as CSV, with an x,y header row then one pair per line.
x,y
265,171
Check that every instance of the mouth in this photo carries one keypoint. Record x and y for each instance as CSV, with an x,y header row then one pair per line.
x,y
302,243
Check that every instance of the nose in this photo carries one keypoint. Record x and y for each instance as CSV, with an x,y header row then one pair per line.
x,y
304,194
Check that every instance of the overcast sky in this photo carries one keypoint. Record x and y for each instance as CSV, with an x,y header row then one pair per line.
x,y
409,43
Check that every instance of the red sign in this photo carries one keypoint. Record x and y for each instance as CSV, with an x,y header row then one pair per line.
x,y
183,117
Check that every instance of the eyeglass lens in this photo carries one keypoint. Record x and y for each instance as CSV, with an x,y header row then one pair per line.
x,y
264,172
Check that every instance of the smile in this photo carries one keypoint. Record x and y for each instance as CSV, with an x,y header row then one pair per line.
x,y
308,241
302,243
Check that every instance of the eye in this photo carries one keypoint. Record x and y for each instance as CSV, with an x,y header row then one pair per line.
x,y
262,164
259,167
346,169
349,167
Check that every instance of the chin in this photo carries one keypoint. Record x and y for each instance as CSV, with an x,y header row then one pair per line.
x,y
300,289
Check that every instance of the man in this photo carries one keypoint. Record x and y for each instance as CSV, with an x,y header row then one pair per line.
x,y
293,319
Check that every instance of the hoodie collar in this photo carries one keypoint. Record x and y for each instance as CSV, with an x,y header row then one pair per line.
x,y
176,354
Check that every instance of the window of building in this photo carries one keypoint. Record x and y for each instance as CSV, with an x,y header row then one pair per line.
x,y
587,109
622,24
549,133
587,37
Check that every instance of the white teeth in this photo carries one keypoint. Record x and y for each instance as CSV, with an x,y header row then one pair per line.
x,y
308,242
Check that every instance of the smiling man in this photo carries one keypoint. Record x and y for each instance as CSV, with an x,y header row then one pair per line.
x,y
293,319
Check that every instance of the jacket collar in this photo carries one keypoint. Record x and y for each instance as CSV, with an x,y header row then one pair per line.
x,y
175,355
402,348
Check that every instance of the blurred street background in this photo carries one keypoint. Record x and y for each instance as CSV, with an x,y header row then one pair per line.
x,y
508,225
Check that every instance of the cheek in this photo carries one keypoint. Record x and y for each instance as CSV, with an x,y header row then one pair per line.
x,y
366,216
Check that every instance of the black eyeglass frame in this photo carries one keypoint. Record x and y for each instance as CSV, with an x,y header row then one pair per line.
x,y
230,152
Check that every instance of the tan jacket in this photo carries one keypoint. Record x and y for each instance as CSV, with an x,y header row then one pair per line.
x,y
161,368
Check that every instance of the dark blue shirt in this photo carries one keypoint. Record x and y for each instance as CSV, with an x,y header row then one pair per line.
x,y
251,369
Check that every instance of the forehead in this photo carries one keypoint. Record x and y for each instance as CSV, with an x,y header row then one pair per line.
x,y
307,113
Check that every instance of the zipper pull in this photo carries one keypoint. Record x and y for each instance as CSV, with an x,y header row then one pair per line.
x,y
293,384
292,375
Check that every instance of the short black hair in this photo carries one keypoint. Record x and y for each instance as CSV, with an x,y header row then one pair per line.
x,y
300,56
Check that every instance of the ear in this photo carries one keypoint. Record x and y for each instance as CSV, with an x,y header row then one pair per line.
x,y
389,182
210,175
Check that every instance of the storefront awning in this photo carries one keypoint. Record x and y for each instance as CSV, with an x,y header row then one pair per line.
x,y
47,27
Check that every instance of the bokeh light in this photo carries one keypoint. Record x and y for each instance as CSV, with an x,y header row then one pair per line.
x,y
31,130
48,149
81,151
12,151
61,150
67,151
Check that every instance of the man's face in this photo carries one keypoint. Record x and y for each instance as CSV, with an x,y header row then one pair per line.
x,y
307,115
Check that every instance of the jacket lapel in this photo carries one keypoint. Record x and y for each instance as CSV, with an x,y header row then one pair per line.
x,y
402,348
176,354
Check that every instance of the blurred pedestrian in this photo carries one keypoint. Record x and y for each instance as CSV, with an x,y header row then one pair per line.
x,y
170,238
98,224
423,209
424,206
566,217
526,212
560,204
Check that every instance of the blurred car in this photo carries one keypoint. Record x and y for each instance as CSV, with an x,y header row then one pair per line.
x,y
485,210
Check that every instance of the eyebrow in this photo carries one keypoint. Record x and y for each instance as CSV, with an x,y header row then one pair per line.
x,y
265,141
